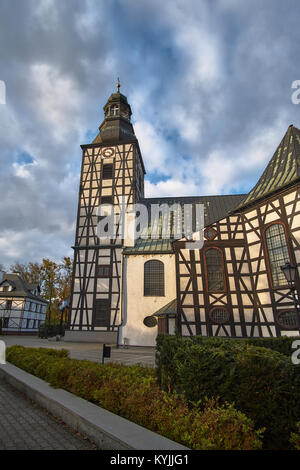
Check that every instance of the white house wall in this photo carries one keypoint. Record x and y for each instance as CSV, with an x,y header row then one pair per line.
x,y
24,316
136,306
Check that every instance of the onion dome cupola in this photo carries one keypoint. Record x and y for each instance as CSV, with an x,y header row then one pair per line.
x,y
116,125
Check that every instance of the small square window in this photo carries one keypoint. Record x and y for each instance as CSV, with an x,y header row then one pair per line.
x,y
106,200
104,270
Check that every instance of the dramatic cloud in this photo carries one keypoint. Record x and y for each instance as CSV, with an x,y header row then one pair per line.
x,y
209,84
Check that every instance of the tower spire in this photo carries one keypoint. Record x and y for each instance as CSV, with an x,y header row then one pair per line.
x,y
116,125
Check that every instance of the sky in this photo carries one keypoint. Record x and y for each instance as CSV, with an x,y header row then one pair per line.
x,y
209,83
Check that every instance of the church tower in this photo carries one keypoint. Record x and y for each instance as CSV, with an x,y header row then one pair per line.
x,y
112,173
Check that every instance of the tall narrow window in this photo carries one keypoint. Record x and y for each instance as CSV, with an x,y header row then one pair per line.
x,y
107,172
214,270
101,313
154,282
278,253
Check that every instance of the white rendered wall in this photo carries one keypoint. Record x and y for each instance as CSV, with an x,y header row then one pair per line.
x,y
136,306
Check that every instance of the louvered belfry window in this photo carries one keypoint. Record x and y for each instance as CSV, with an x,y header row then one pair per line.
x,y
214,270
278,253
107,172
154,282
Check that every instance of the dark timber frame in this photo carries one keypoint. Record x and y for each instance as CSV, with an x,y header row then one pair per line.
x,y
252,303
127,180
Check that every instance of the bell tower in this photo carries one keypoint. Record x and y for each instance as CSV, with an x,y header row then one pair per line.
x,y
112,173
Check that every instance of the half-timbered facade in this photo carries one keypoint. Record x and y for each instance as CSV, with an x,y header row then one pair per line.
x,y
22,309
234,286
127,291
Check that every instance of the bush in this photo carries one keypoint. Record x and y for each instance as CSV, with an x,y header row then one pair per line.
x,y
261,383
50,330
133,392
295,438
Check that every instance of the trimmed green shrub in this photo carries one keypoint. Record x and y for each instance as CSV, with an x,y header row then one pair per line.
x,y
261,383
295,438
54,329
282,344
133,392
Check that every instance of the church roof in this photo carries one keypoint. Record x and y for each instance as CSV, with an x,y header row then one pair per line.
x,y
168,309
282,170
215,208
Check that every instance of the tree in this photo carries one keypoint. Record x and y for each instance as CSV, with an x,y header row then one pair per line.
x,y
30,272
65,278
54,280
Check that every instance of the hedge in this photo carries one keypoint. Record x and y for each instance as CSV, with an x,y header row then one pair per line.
x,y
283,344
133,392
261,383
54,329
295,438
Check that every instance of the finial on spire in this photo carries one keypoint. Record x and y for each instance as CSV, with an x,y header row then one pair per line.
x,y
118,85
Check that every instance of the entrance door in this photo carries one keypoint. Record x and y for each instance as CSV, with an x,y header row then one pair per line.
x,y
162,327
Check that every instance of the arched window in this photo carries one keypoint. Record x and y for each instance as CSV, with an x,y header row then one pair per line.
x,y
278,253
214,270
154,282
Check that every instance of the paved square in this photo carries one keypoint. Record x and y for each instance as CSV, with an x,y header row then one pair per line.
x,y
88,351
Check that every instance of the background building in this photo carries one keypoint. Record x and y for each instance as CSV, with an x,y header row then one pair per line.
x,y
22,309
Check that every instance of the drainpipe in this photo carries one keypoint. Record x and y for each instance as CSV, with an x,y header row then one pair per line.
x,y
123,299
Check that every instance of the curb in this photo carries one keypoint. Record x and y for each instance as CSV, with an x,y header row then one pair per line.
x,y
107,430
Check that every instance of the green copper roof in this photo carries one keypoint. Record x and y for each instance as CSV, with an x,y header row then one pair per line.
x,y
282,170
143,246
168,309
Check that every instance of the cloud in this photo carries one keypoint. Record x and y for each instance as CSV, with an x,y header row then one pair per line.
x,y
209,84
170,187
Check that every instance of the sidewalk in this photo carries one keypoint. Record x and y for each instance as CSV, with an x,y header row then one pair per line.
x,y
26,426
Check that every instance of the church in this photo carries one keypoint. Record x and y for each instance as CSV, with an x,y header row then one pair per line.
x,y
125,291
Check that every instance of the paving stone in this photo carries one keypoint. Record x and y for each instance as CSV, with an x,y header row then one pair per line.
x,y
24,425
